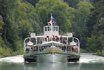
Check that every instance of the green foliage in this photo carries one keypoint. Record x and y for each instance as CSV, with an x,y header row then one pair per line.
x,y
79,24
100,52
81,15
1,25
61,11
72,3
33,2
20,17
3,53
97,32
96,41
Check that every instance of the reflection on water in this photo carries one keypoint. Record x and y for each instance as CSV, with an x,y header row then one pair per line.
x,y
44,66
11,66
64,66
52,66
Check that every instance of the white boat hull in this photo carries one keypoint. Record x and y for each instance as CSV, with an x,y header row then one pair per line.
x,y
52,58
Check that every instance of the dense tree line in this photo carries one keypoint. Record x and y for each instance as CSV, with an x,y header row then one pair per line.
x,y
20,17
95,40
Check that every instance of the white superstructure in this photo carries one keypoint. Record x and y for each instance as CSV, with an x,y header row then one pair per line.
x,y
52,42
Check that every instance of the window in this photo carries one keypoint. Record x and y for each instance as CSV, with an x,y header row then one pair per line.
x,y
45,28
54,29
48,28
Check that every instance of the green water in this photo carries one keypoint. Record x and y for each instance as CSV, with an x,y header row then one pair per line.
x,y
52,66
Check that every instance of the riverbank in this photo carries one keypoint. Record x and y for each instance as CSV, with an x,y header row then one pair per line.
x,y
6,52
15,59
10,55
100,53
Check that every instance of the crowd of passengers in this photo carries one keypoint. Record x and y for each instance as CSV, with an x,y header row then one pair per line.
x,y
54,38
41,48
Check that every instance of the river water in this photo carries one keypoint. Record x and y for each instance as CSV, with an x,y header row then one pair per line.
x,y
87,62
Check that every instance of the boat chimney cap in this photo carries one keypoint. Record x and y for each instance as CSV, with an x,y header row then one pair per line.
x,y
73,43
32,35
29,43
52,46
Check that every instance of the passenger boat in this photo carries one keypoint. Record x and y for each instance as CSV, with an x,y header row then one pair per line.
x,y
51,46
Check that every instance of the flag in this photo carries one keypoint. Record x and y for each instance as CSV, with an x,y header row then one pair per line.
x,y
52,21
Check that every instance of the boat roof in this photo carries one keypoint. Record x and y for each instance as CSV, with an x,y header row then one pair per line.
x,y
51,43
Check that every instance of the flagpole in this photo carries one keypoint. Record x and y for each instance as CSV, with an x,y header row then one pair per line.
x,y
51,25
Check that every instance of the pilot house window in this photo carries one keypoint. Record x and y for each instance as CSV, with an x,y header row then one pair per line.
x,y
54,28
45,28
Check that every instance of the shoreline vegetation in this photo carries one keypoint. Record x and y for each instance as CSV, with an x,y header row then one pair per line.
x,y
5,52
100,53
18,18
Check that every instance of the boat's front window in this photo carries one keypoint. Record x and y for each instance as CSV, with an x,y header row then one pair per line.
x,y
56,28
53,28
47,28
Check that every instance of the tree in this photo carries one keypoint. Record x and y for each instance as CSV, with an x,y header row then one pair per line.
x,y
72,3
19,19
60,10
33,2
79,25
96,31
2,44
26,19
1,25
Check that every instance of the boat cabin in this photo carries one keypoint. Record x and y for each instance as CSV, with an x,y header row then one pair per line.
x,y
51,30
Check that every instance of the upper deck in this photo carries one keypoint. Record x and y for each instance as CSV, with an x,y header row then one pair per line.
x,y
50,30
52,37
51,33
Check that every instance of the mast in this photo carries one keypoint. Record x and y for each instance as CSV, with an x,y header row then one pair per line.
x,y
51,24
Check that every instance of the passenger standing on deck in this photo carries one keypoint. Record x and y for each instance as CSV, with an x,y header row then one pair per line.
x,y
28,48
